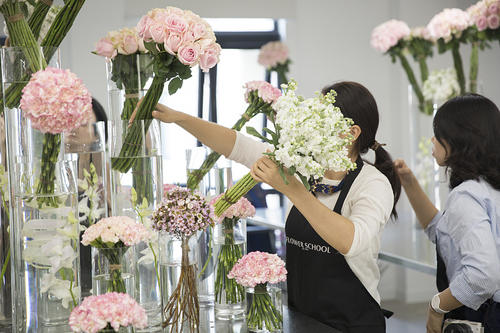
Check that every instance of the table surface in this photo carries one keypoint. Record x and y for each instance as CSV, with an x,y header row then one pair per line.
x,y
403,242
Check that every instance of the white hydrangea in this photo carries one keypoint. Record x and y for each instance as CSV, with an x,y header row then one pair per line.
x,y
441,85
313,134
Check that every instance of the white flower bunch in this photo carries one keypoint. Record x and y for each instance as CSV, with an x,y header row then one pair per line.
x,y
313,135
441,85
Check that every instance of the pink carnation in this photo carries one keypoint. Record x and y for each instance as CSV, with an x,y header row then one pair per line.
x,y
182,212
265,90
241,209
115,229
114,309
56,101
258,268
448,23
420,32
388,34
273,53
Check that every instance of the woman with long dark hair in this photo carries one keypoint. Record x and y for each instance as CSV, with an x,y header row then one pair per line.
x,y
467,233
333,237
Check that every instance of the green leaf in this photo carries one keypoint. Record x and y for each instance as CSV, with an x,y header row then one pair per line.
x,y
174,85
273,135
282,174
292,170
304,181
252,131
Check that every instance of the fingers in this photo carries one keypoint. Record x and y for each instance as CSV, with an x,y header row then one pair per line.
x,y
266,161
163,113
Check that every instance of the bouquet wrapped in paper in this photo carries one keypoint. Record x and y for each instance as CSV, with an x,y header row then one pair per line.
x,y
177,40
260,97
311,136
274,56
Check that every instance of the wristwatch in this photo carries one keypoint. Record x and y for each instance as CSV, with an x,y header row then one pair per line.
x,y
435,305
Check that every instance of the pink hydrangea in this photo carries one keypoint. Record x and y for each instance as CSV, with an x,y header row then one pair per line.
x,y
181,33
258,268
241,209
124,41
114,309
115,229
485,14
272,54
388,34
182,212
420,32
56,101
265,90
448,23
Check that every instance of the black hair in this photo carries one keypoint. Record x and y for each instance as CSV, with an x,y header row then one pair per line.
x,y
100,115
468,126
356,102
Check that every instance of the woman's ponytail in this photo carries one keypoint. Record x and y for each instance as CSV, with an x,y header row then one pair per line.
x,y
383,162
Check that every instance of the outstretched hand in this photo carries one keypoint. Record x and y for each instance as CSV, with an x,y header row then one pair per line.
x,y
265,170
161,112
404,172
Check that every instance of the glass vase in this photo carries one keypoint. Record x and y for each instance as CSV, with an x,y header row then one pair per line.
x,y
86,146
178,270
5,273
137,189
264,309
113,270
229,245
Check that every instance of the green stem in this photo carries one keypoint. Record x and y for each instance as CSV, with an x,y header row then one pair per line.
x,y
46,186
424,75
411,78
209,256
474,66
36,19
459,68
262,311
4,268
242,187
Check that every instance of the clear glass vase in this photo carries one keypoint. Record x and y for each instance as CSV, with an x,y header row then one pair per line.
x,y
137,188
113,270
86,146
264,309
229,245
178,270
5,273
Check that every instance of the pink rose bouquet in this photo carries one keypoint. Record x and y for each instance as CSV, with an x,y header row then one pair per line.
x,y
274,56
107,313
255,270
177,40
110,236
260,96
182,213
228,290
55,101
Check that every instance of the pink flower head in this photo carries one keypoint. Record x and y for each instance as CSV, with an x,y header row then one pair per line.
x,y
258,268
176,23
210,56
56,101
448,23
493,22
105,48
158,32
115,309
182,212
421,32
481,23
267,92
115,229
189,54
388,34
241,209
273,53
124,41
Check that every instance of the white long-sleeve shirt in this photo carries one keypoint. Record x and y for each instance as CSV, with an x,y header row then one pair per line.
x,y
368,206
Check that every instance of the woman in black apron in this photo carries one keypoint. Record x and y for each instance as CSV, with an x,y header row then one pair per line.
x,y
467,232
321,282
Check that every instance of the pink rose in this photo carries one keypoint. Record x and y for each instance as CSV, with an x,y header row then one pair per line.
x,y
481,23
143,28
105,48
493,22
199,30
210,57
172,43
493,9
176,23
189,54
157,33
130,45
188,36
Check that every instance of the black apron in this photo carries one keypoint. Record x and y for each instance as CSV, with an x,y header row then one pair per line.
x,y
320,282
488,313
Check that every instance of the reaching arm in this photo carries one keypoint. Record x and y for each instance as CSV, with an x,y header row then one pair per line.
x,y
219,138
422,205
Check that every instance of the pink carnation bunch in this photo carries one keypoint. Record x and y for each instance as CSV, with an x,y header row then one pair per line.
x,y
272,54
182,212
115,229
420,32
56,101
448,23
485,14
388,34
124,41
241,209
183,34
258,268
113,309
267,92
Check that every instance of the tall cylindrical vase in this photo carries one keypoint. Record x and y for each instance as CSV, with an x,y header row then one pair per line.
x,y
43,211
5,274
229,245
86,146
137,192
113,270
